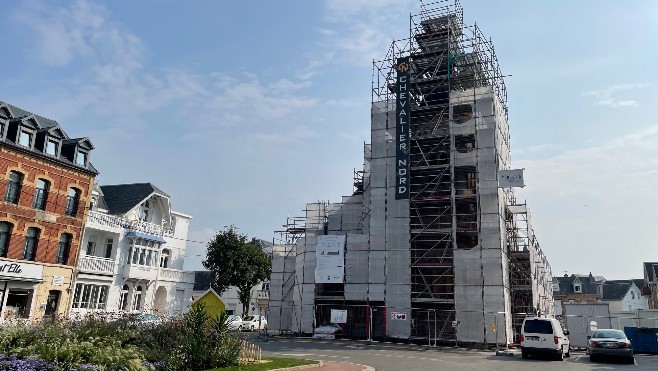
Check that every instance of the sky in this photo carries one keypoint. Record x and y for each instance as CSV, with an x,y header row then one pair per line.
x,y
244,111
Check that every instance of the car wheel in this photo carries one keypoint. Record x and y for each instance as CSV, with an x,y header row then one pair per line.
x,y
631,360
560,355
592,358
524,354
568,354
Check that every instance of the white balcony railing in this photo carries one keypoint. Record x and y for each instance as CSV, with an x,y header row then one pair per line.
x,y
262,294
175,275
118,222
140,272
96,264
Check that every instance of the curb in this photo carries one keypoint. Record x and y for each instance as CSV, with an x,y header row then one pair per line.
x,y
316,365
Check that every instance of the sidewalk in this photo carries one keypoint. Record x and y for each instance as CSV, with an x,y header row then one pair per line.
x,y
333,366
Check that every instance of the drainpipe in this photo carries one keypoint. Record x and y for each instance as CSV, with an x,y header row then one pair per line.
x,y
74,277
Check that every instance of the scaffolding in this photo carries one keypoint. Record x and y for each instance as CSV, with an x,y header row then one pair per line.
x,y
459,255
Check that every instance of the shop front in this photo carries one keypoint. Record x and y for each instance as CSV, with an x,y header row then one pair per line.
x,y
18,286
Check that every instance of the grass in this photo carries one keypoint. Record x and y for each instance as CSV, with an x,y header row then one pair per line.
x,y
273,363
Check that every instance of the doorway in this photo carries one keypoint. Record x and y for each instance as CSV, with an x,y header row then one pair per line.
x,y
52,303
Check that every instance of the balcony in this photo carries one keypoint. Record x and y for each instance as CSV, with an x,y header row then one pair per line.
x,y
262,294
175,275
114,222
141,272
94,264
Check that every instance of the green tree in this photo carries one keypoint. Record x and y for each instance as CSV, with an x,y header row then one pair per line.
x,y
235,261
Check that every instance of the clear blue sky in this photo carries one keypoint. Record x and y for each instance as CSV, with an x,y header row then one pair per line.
x,y
243,111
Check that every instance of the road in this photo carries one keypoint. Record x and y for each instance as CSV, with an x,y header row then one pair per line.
x,y
396,358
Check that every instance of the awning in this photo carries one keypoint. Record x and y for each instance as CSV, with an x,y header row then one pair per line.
x,y
146,236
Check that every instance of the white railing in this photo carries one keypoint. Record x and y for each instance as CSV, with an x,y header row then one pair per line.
x,y
140,271
96,264
262,294
118,222
175,275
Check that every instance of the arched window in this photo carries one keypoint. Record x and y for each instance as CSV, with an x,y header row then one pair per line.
x,y
63,248
41,194
137,299
13,189
30,245
5,232
164,258
72,200
124,298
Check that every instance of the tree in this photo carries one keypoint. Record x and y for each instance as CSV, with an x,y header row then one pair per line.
x,y
236,262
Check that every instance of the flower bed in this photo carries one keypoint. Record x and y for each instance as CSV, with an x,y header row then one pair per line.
x,y
195,343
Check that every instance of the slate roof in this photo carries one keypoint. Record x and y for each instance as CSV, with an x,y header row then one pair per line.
x,y
121,198
42,123
650,270
566,285
616,290
202,280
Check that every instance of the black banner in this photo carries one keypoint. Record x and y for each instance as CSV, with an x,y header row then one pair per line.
x,y
402,130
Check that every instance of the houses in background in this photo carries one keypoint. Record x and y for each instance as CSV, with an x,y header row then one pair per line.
x,y
68,246
620,295
260,295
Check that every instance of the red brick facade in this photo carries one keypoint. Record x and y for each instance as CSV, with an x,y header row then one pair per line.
x,y
52,221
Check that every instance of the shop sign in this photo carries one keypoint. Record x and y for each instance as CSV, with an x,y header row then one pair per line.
x,y
58,280
20,271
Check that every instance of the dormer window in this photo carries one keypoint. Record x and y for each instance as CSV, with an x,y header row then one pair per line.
x,y
81,158
577,287
145,211
25,138
556,286
51,147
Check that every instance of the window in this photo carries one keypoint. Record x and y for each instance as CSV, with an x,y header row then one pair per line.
x,y
632,295
72,202
41,194
556,286
91,248
145,211
81,158
13,189
109,243
25,138
51,147
63,248
164,258
5,232
577,288
90,296
30,245
124,299
137,299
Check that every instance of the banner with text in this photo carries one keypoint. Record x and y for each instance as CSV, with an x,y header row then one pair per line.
x,y
402,130
510,178
330,259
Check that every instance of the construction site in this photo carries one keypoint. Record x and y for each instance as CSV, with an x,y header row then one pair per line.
x,y
432,245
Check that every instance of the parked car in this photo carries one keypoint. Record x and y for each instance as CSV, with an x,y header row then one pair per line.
x,y
253,323
234,323
609,343
540,335
330,331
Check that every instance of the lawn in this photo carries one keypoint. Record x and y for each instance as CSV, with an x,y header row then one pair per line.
x,y
273,363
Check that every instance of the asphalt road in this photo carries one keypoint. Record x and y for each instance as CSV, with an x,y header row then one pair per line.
x,y
396,358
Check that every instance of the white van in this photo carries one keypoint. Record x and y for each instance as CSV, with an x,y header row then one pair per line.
x,y
541,335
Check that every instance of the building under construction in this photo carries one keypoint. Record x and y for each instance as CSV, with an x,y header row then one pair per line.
x,y
432,244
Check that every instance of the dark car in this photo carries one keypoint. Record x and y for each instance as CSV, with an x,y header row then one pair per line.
x,y
609,343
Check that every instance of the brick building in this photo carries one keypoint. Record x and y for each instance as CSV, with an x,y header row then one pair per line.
x,y
45,183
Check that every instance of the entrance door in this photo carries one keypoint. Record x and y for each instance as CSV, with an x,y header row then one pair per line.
x,y
52,303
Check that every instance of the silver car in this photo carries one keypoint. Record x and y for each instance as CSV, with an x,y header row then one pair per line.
x,y
609,343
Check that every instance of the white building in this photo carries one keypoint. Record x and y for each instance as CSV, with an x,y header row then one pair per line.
x,y
132,254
